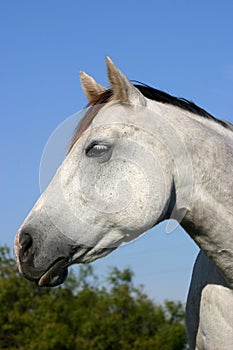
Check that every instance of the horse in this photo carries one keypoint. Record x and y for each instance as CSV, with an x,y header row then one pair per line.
x,y
140,156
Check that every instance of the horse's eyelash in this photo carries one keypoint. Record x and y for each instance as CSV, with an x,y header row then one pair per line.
x,y
99,147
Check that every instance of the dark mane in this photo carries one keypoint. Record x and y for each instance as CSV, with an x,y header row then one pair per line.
x,y
150,93
163,97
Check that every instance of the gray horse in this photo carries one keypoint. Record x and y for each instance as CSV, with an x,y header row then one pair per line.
x,y
140,156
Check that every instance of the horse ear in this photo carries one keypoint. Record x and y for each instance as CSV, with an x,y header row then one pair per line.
x,y
123,89
90,87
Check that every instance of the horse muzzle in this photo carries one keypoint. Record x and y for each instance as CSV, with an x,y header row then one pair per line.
x,y
42,262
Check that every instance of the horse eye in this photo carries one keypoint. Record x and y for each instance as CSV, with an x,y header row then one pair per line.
x,y
97,150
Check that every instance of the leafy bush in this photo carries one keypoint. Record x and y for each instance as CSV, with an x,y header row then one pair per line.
x,y
82,314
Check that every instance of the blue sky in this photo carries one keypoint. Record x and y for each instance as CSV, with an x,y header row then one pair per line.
x,y
182,47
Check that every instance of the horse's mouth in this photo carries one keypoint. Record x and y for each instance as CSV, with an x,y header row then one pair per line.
x,y
55,275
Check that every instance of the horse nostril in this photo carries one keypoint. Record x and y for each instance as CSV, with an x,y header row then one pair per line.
x,y
25,240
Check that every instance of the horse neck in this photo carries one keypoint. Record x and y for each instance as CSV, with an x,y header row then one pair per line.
x,y
209,213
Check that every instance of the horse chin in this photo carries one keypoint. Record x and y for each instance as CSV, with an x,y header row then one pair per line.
x,y
58,271
94,254
55,275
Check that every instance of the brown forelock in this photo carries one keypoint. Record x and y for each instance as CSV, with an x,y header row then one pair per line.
x,y
93,110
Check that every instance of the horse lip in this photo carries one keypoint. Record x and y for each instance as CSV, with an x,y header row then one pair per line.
x,y
56,273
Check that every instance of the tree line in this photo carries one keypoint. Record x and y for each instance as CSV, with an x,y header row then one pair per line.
x,y
85,314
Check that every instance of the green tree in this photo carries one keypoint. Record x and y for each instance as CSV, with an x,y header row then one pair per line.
x,y
84,314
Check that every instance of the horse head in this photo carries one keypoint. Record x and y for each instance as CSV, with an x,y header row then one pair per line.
x,y
114,184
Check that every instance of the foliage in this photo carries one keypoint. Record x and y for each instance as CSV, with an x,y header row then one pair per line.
x,y
82,315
